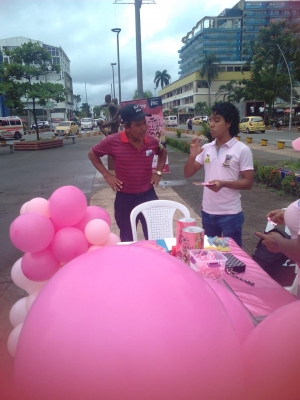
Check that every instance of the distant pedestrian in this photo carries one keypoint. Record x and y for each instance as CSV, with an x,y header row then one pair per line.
x,y
190,124
279,124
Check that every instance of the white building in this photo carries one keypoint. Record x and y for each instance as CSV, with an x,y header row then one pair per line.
x,y
55,112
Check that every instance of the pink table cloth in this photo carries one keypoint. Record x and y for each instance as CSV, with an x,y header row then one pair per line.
x,y
266,295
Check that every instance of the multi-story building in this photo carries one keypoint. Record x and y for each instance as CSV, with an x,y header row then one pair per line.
x,y
53,111
226,36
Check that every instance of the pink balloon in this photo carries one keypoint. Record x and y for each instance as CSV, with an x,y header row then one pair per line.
x,y
97,231
240,318
18,312
23,209
13,339
40,266
127,322
20,280
91,248
112,239
68,243
272,354
31,232
93,212
38,205
67,206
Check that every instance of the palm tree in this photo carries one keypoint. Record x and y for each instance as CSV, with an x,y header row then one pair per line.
x,y
226,89
237,94
209,70
146,94
162,78
200,107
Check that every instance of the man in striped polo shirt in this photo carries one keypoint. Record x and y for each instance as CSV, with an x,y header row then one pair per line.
x,y
132,151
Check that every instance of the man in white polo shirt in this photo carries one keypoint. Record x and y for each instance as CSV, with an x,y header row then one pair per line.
x,y
228,165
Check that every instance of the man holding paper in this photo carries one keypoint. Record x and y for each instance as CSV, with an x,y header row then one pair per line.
x,y
228,166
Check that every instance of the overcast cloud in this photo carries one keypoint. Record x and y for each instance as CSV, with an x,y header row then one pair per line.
x,y
83,29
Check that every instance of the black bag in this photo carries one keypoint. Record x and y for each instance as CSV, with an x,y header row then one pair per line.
x,y
272,263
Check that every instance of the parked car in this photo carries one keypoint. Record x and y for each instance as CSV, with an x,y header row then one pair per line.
x,y
170,120
197,120
68,128
11,128
205,118
41,124
252,124
87,123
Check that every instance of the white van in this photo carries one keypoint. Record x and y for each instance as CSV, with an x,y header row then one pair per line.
x,y
87,123
171,120
11,128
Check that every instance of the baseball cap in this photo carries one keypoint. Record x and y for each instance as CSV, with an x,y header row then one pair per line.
x,y
133,112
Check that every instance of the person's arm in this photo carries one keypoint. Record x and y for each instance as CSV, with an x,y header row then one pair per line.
x,y
276,216
161,160
245,183
192,166
276,243
111,179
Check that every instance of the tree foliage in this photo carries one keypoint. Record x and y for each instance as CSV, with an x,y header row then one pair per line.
x,y
269,73
162,78
85,110
209,70
77,101
20,78
147,94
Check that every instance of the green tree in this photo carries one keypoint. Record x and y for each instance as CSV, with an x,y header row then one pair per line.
x,y
227,89
77,101
269,75
97,111
28,63
200,108
85,110
209,70
146,94
162,78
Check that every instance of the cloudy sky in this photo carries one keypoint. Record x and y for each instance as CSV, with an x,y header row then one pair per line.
x,y
83,29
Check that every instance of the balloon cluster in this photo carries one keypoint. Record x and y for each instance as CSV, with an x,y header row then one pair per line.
x,y
51,233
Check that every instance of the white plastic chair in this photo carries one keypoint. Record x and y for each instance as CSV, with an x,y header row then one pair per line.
x,y
294,286
159,218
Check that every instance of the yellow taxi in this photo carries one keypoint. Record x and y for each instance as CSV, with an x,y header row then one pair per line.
x,y
197,120
66,128
252,124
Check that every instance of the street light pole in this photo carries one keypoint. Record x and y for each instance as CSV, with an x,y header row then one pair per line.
x,y
291,100
138,4
117,31
86,99
112,65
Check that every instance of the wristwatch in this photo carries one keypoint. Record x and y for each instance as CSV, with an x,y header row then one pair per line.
x,y
159,173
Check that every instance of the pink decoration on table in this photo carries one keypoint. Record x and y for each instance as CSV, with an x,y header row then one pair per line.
x,y
31,232
93,212
40,266
128,322
97,231
67,206
68,243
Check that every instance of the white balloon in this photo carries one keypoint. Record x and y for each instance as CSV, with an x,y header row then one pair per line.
x,y
31,298
20,280
38,205
13,339
23,209
18,312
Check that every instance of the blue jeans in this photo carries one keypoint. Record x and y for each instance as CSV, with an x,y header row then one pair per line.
x,y
224,225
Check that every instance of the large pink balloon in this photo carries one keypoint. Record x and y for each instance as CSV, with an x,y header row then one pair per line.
x,y
31,232
67,206
97,231
40,266
68,243
240,318
272,356
93,212
20,280
127,322
38,205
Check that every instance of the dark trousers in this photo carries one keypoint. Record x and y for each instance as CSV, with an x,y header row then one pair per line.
x,y
124,204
